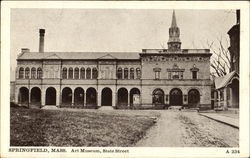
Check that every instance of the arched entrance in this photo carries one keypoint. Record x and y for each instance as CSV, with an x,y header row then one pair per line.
x,y
67,96
23,97
193,97
91,97
123,96
235,93
134,96
50,96
79,96
158,96
176,97
35,96
106,97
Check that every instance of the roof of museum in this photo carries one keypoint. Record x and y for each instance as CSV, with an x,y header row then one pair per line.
x,y
106,55
79,55
222,81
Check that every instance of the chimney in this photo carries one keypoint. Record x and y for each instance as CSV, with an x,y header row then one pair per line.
x,y
41,40
238,16
25,50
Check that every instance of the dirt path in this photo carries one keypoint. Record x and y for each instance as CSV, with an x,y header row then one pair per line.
x,y
189,129
166,133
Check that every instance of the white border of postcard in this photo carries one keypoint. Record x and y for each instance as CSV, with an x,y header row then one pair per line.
x,y
133,152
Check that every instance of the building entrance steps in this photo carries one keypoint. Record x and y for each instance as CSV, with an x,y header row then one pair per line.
x,y
106,108
231,121
175,107
50,107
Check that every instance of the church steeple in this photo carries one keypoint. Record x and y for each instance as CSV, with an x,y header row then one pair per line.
x,y
174,42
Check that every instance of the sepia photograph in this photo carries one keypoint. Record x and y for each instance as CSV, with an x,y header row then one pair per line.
x,y
122,79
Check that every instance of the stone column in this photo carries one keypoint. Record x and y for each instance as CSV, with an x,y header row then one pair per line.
x,y
167,99
185,101
128,99
29,97
73,99
99,99
116,98
43,95
113,98
58,98
84,100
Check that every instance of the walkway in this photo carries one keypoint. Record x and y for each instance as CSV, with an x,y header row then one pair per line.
x,y
177,128
229,119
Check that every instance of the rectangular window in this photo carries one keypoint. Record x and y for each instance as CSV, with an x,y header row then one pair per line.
x,y
175,75
138,73
157,75
181,75
169,75
194,74
119,73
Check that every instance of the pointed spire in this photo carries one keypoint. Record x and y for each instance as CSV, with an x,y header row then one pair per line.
x,y
174,42
173,20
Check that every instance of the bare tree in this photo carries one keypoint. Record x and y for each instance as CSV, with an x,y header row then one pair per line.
x,y
220,60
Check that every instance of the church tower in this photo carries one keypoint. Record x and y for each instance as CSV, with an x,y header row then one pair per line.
x,y
174,42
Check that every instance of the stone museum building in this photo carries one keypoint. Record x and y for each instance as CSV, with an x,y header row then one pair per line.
x,y
151,78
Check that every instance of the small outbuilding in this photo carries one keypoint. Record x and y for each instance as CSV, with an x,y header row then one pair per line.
x,y
227,91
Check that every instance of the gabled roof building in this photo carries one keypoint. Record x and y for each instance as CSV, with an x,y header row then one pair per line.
x,y
153,78
227,87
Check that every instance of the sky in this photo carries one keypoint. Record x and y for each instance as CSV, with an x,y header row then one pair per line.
x,y
114,30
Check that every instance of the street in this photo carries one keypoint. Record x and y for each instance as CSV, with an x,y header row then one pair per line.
x,y
189,129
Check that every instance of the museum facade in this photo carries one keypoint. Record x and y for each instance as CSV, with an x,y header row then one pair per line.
x,y
151,78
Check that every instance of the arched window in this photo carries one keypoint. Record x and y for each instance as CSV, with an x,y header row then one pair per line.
x,y
94,73
132,74
70,73
64,73
193,97
76,73
21,72
88,73
27,72
82,73
126,73
138,73
33,73
158,96
119,73
39,73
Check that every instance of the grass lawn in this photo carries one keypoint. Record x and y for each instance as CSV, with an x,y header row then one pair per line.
x,y
38,127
